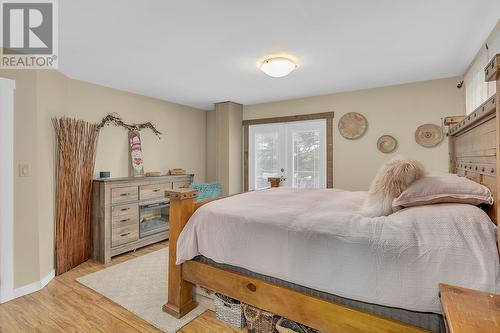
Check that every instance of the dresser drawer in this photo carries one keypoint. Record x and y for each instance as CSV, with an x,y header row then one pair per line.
x,y
155,191
181,184
124,220
124,194
123,210
123,235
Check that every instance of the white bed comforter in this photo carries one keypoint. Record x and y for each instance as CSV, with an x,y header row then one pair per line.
x,y
317,239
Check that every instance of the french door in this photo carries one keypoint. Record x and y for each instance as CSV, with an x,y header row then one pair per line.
x,y
295,151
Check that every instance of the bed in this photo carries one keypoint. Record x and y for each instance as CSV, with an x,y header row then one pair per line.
x,y
334,276
318,239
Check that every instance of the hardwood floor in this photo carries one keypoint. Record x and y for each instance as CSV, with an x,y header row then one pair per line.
x,y
64,305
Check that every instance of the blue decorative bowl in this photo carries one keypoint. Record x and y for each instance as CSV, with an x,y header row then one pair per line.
x,y
104,174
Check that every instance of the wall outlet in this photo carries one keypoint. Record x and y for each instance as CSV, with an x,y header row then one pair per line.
x,y
24,170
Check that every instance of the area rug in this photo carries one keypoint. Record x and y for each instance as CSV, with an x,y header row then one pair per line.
x,y
140,286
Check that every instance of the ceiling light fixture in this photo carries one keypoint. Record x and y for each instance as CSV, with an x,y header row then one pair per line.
x,y
277,66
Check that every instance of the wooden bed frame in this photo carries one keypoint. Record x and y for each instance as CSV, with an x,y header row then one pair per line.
x,y
474,147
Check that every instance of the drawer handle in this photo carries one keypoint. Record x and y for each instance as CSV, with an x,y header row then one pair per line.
x,y
156,190
124,194
125,234
125,220
252,287
125,209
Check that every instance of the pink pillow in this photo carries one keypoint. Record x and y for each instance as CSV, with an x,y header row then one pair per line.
x,y
441,187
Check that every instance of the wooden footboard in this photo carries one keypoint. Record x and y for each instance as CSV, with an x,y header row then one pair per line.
x,y
312,311
180,292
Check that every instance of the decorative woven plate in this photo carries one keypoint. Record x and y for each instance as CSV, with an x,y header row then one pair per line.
x,y
352,125
387,144
429,135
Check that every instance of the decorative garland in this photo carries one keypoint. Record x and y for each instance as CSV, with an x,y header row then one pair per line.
x,y
116,119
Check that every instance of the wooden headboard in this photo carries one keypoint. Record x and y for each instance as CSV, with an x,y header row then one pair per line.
x,y
475,143
473,149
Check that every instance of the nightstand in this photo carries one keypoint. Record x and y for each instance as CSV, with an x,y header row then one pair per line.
x,y
470,311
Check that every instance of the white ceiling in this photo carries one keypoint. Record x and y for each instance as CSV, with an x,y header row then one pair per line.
x,y
200,52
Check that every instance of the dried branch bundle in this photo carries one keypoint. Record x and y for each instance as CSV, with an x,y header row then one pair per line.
x,y
76,142
76,149
115,119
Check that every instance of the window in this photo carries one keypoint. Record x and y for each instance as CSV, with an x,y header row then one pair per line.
x,y
477,91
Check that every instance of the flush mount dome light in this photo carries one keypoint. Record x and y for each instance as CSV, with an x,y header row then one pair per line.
x,y
278,66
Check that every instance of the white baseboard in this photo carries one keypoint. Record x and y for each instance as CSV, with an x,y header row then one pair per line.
x,y
47,278
6,296
30,288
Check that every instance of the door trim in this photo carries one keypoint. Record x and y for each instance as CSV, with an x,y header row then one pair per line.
x,y
312,116
287,119
7,87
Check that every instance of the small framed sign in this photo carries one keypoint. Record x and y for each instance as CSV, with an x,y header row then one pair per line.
x,y
137,169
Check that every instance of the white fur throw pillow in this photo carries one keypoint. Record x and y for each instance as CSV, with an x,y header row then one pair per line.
x,y
390,181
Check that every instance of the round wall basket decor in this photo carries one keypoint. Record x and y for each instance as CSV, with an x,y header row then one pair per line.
x,y
429,135
387,144
352,125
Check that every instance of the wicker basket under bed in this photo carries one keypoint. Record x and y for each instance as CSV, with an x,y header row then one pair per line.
x,y
259,321
288,326
229,310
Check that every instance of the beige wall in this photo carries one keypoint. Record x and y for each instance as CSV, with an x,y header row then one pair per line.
x,y
210,173
44,94
183,128
228,146
235,149
395,110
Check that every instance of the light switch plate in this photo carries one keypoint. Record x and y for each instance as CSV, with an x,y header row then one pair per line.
x,y
24,170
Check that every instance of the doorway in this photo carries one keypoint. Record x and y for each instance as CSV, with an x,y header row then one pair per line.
x,y
300,151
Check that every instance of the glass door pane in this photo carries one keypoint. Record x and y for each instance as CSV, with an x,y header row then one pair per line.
x,y
265,147
306,141
294,150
